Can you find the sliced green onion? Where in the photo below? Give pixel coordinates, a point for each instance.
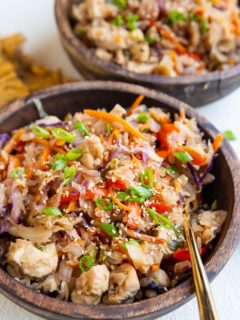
(132, 20)
(139, 200)
(81, 128)
(143, 117)
(160, 219)
(40, 132)
(171, 170)
(150, 39)
(121, 4)
(69, 174)
(74, 154)
(62, 134)
(108, 128)
(203, 26)
(17, 173)
(122, 196)
(52, 211)
(104, 204)
(229, 135)
(85, 263)
(147, 178)
(183, 156)
(59, 163)
(140, 191)
(175, 16)
(130, 242)
(109, 228)
(118, 21)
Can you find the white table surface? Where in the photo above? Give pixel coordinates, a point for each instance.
(35, 19)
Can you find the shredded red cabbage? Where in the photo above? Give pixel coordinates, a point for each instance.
(4, 137)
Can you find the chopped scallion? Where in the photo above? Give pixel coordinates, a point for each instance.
(86, 263)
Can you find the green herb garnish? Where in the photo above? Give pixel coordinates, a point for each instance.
(59, 163)
(160, 219)
(52, 211)
(110, 229)
(150, 39)
(140, 191)
(81, 128)
(118, 21)
(147, 178)
(175, 16)
(104, 204)
(132, 20)
(121, 4)
(86, 263)
(183, 156)
(171, 170)
(62, 134)
(108, 128)
(74, 154)
(17, 173)
(229, 135)
(143, 117)
(69, 174)
(40, 132)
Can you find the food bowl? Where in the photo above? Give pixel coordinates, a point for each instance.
(72, 98)
(196, 90)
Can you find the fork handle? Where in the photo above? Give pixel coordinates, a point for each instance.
(206, 304)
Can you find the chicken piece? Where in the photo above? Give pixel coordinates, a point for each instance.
(143, 257)
(141, 52)
(156, 280)
(165, 67)
(31, 260)
(91, 285)
(100, 9)
(212, 218)
(92, 152)
(148, 9)
(123, 285)
(108, 38)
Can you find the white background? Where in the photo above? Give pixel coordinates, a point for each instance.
(35, 19)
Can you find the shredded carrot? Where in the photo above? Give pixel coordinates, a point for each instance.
(42, 141)
(58, 150)
(164, 153)
(72, 205)
(122, 206)
(47, 144)
(135, 104)
(155, 267)
(138, 164)
(13, 163)
(37, 197)
(112, 118)
(217, 142)
(114, 134)
(144, 237)
(173, 56)
(177, 45)
(177, 186)
(72, 264)
(59, 143)
(44, 158)
(199, 159)
(29, 172)
(101, 137)
(12, 143)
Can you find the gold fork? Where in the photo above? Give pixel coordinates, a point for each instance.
(206, 304)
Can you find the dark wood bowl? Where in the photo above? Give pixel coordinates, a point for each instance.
(72, 98)
(194, 90)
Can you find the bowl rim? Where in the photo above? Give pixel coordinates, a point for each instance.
(79, 47)
(47, 306)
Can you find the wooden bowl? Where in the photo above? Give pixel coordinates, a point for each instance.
(72, 98)
(196, 90)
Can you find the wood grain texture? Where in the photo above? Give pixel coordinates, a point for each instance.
(196, 90)
(74, 97)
